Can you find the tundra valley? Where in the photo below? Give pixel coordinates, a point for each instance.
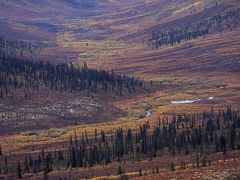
(120, 89)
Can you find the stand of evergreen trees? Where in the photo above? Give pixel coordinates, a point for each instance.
(29, 76)
(199, 135)
(20, 48)
(219, 23)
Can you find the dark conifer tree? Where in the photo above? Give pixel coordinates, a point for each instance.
(172, 167)
(232, 136)
(120, 170)
(19, 171)
(1, 153)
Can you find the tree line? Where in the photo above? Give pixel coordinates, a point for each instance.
(20, 48)
(28, 76)
(199, 135)
(218, 23)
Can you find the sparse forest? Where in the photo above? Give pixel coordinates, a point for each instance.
(20, 48)
(216, 24)
(199, 135)
(29, 76)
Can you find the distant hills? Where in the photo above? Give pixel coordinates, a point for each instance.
(41, 20)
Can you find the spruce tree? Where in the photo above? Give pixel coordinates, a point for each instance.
(19, 171)
(140, 172)
(172, 167)
(1, 153)
(120, 170)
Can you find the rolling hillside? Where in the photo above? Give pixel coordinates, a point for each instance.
(103, 19)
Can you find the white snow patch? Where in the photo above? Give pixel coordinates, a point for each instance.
(185, 101)
(148, 113)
